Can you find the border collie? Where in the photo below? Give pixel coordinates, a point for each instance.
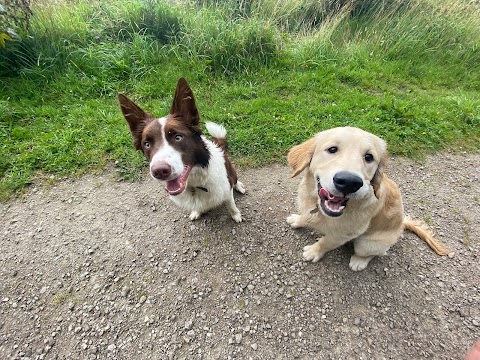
(197, 172)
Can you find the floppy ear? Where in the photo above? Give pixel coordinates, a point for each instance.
(184, 104)
(137, 118)
(378, 177)
(299, 156)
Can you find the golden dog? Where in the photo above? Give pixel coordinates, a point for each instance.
(345, 195)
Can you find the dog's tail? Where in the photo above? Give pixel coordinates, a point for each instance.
(423, 232)
(219, 134)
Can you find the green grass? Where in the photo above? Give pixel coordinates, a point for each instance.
(274, 72)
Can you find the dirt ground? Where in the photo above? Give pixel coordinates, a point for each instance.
(94, 268)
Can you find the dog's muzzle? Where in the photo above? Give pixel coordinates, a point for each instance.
(346, 182)
(333, 205)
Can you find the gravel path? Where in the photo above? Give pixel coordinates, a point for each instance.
(99, 269)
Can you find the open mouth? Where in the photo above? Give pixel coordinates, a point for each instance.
(330, 204)
(178, 185)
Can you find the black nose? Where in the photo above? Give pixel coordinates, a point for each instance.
(347, 182)
(161, 171)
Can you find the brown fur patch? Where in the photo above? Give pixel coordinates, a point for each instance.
(192, 147)
(152, 133)
(378, 177)
(137, 119)
(391, 215)
(299, 156)
(221, 143)
(231, 173)
(184, 105)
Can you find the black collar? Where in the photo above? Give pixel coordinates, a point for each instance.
(194, 189)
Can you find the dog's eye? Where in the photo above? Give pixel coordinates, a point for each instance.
(178, 137)
(332, 149)
(369, 158)
(146, 145)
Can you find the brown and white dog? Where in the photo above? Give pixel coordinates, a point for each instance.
(198, 174)
(345, 196)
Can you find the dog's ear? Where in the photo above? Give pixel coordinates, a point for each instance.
(378, 177)
(137, 118)
(299, 156)
(184, 104)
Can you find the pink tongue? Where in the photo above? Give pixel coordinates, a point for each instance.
(174, 185)
(178, 185)
(324, 193)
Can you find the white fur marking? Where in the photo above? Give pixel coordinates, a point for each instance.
(216, 130)
(167, 154)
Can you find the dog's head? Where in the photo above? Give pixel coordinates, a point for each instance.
(346, 164)
(172, 144)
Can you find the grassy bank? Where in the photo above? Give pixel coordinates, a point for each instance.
(274, 72)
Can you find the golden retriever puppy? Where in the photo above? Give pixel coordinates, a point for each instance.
(345, 195)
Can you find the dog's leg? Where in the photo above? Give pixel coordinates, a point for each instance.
(359, 263)
(240, 187)
(194, 215)
(232, 208)
(317, 250)
(297, 221)
(366, 250)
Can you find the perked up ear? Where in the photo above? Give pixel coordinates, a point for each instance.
(299, 156)
(137, 118)
(184, 103)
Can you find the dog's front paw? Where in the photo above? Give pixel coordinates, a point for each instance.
(240, 188)
(359, 263)
(194, 215)
(237, 217)
(312, 253)
(294, 221)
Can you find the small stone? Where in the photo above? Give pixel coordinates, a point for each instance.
(188, 324)
(238, 338)
(254, 346)
(111, 347)
(142, 299)
(125, 291)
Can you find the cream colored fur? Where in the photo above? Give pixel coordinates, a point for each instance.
(373, 217)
